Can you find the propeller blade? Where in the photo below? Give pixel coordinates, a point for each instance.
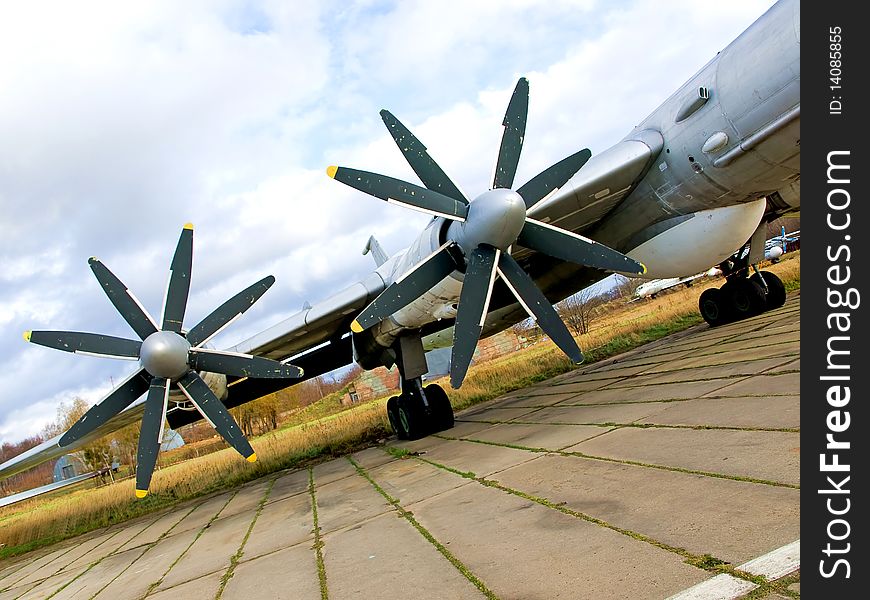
(551, 179)
(123, 300)
(86, 343)
(473, 304)
(401, 192)
(432, 176)
(536, 304)
(228, 312)
(512, 139)
(240, 365)
(565, 245)
(215, 413)
(151, 433)
(409, 287)
(178, 289)
(119, 399)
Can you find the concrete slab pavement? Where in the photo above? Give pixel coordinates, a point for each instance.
(690, 457)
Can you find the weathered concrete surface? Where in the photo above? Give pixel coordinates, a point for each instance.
(768, 455)
(521, 549)
(773, 412)
(282, 524)
(606, 482)
(731, 520)
(287, 574)
(386, 558)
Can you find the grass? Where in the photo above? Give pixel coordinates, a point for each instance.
(40, 522)
(318, 542)
(237, 557)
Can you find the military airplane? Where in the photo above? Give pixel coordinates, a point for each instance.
(651, 289)
(685, 189)
(774, 248)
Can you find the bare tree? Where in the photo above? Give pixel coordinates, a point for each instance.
(578, 310)
(627, 286)
(97, 454)
(527, 330)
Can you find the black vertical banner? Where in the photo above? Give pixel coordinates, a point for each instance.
(834, 358)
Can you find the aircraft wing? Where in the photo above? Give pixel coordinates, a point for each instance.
(315, 325)
(312, 338)
(49, 449)
(51, 487)
(317, 338)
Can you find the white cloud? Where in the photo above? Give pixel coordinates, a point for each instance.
(121, 122)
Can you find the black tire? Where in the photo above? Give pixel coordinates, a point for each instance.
(710, 305)
(393, 416)
(743, 298)
(775, 288)
(412, 418)
(439, 403)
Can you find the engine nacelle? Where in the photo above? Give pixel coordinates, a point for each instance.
(369, 354)
(713, 235)
(217, 382)
(438, 302)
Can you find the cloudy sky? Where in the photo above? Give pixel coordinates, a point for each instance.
(120, 122)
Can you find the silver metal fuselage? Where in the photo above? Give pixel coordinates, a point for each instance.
(680, 193)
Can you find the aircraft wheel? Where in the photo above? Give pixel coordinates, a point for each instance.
(743, 298)
(412, 419)
(393, 416)
(710, 305)
(442, 410)
(775, 288)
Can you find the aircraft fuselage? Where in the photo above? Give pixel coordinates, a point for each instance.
(680, 193)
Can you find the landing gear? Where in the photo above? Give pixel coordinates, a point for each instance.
(417, 414)
(393, 416)
(775, 296)
(442, 410)
(710, 305)
(418, 411)
(742, 297)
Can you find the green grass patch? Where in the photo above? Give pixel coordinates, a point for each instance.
(318, 543)
(237, 557)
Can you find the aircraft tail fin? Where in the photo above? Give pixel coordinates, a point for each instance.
(378, 253)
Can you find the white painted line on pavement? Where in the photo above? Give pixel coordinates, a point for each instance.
(776, 564)
(721, 587)
(773, 565)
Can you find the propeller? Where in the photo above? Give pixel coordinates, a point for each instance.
(168, 357)
(481, 235)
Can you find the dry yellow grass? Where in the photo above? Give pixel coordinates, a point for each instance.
(39, 521)
(90, 508)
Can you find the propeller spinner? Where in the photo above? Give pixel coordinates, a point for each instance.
(168, 358)
(483, 229)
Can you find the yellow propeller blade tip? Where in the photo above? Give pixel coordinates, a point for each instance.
(141, 493)
(252, 458)
(188, 225)
(356, 327)
(331, 171)
(27, 336)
